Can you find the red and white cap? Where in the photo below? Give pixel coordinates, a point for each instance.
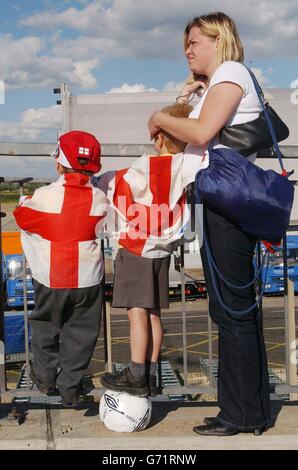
(78, 150)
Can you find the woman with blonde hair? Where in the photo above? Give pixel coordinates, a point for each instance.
(215, 54)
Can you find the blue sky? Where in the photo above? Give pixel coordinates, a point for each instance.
(121, 45)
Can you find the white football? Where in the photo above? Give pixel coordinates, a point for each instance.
(122, 412)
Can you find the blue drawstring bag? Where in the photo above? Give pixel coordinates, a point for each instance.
(259, 201)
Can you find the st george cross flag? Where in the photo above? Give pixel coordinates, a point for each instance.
(60, 225)
(148, 200)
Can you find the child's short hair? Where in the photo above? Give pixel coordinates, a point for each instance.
(179, 110)
(83, 172)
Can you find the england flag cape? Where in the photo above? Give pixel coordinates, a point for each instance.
(60, 225)
(149, 213)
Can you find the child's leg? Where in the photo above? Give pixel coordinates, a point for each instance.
(45, 336)
(139, 334)
(45, 351)
(139, 341)
(132, 379)
(156, 336)
(78, 338)
(153, 352)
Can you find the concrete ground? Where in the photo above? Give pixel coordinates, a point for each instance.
(37, 427)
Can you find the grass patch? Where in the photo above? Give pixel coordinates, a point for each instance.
(10, 197)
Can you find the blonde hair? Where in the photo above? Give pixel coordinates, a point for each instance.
(218, 24)
(179, 110)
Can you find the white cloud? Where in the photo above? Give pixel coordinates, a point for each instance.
(25, 63)
(81, 20)
(137, 88)
(74, 41)
(82, 47)
(261, 77)
(83, 72)
(17, 56)
(173, 86)
(141, 88)
(154, 29)
(264, 79)
(35, 124)
(42, 118)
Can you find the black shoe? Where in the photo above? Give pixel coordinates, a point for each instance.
(43, 387)
(124, 382)
(259, 431)
(70, 402)
(153, 388)
(216, 429)
(209, 419)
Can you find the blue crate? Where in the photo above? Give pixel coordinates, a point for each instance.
(14, 333)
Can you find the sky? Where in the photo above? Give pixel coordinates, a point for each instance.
(103, 46)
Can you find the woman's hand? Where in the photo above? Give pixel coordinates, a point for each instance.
(153, 124)
(191, 87)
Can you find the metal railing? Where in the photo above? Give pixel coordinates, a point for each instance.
(289, 387)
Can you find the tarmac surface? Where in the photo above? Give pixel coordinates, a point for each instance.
(54, 428)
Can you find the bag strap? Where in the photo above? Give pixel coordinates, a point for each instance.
(263, 103)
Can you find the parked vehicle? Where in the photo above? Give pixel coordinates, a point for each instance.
(14, 284)
(12, 259)
(275, 278)
(193, 290)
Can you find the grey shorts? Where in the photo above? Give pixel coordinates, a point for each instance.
(140, 282)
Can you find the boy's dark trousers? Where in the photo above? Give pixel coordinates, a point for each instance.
(243, 382)
(65, 325)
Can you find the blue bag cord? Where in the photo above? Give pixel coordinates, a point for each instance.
(265, 261)
(234, 286)
(232, 312)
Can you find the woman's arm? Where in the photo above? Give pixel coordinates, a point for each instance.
(221, 102)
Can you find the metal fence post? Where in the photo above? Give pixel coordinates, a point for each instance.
(106, 312)
(26, 327)
(286, 303)
(184, 327)
(108, 337)
(2, 345)
(290, 326)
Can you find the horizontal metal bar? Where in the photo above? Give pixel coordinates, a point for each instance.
(280, 389)
(284, 389)
(42, 149)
